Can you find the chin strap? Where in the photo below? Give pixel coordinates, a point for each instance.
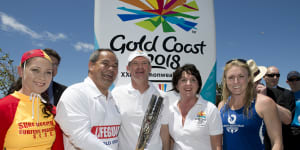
(34, 97)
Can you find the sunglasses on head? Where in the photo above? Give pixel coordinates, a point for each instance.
(273, 75)
(239, 60)
(294, 79)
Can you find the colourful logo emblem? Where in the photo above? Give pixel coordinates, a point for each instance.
(161, 12)
(201, 114)
(162, 87)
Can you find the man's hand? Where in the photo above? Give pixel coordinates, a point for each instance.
(262, 89)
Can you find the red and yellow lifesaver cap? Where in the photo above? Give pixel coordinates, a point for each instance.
(34, 53)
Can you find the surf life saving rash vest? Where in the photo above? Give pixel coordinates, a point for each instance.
(24, 125)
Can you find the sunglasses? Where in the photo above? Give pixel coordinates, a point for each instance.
(294, 79)
(239, 60)
(273, 75)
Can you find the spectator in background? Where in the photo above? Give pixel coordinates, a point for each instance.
(55, 89)
(244, 113)
(293, 80)
(133, 99)
(285, 104)
(258, 73)
(27, 119)
(87, 112)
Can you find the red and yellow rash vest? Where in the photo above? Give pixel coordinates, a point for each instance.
(23, 125)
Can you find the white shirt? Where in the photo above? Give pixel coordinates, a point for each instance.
(89, 119)
(133, 105)
(202, 121)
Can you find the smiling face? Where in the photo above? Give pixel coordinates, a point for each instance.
(36, 76)
(272, 76)
(104, 71)
(139, 69)
(187, 85)
(237, 80)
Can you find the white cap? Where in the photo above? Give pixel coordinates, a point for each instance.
(137, 53)
(257, 71)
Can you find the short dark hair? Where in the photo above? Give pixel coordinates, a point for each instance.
(52, 53)
(190, 69)
(95, 55)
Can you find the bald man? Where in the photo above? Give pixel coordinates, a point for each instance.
(285, 104)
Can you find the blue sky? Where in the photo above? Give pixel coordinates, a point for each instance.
(264, 30)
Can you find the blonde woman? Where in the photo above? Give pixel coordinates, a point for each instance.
(244, 115)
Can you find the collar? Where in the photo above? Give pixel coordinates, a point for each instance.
(34, 98)
(132, 90)
(51, 84)
(94, 91)
(21, 96)
(198, 102)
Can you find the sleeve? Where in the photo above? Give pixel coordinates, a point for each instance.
(8, 107)
(73, 118)
(58, 143)
(214, 120)
(287, 100)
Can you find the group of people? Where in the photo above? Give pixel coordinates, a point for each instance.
(284, 99)
(42, 114)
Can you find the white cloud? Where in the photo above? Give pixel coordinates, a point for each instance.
(41, 45)
(85, 47)
(54, 37)
(9, 23)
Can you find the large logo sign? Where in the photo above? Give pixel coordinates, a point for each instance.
(160, 13)
(172, 32)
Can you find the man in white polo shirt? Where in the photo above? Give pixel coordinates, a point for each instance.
(86, 111)
(133, 99)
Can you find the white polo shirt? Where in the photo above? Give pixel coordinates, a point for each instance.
(133, 105)
(89, 119)
(201, 121)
